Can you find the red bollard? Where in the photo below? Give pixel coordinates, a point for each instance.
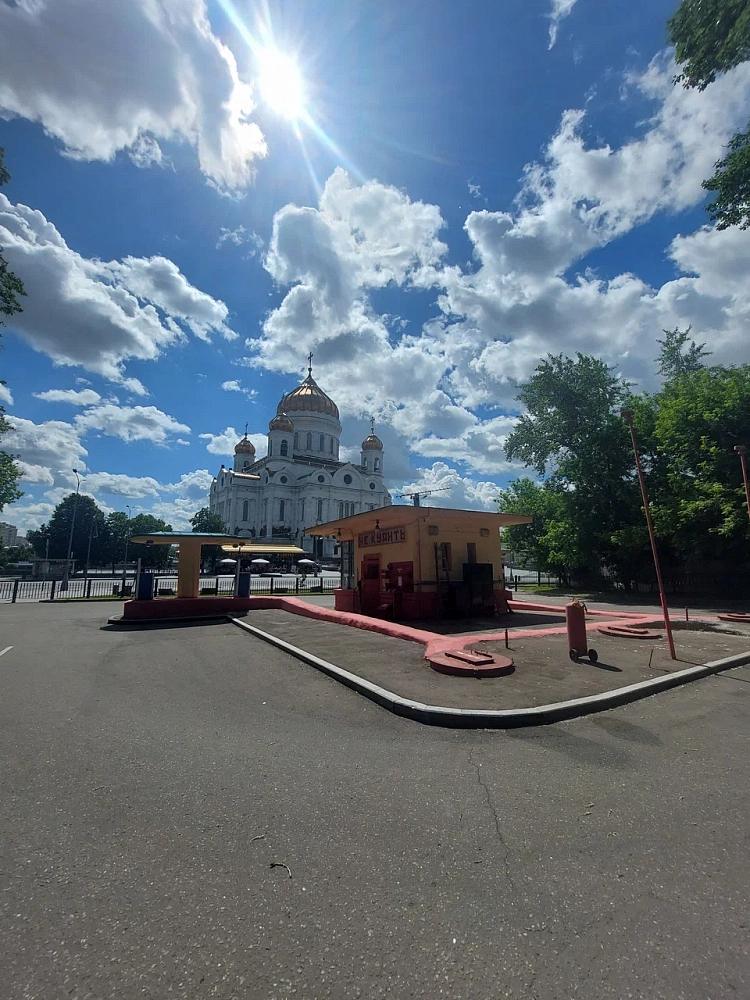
(575, 621)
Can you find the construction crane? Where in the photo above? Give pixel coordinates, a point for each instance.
(417, 497)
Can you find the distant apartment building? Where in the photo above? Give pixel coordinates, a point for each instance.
(8, 534)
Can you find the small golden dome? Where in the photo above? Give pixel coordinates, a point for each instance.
(244, 447)
(281, 422)
(372, 443)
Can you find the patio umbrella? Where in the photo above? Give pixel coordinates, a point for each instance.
(227, 562)
(257, 562)
(305, 562)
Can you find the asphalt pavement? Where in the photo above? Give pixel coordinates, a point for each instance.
(188, 812)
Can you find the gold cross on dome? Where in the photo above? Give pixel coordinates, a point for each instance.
(309, 363)
(245, 428)
(372, 425)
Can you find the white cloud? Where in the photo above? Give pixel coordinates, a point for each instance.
(110, 483)
(193, 486)
(78, 397)
(223, 443)
(98, 314)
(104, 77)
(176, 512)
(53, 445)
(454, 490)
(560, 10)
(233, 385)
(36, 474)
(5, 395)
(131, 423)
(26, 516)
(146, 152)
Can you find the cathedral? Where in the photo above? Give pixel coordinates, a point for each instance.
(300, 482)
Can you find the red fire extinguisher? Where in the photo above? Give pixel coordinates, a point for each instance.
(575, 620)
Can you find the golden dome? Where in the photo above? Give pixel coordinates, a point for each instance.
(281, 422)
(308, 397)
(244, 447)
(372, 443)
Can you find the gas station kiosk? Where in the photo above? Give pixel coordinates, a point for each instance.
(411, 563)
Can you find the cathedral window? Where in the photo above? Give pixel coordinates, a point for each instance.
(302, 510)
(341, 508)
(330, 445)
(296, 440)
(322, 443)
(320, 510)
(377, 465)
(364, 463)
(309, 441)
(270, 448)
(281, 510)
(246, 510)
(284, 448)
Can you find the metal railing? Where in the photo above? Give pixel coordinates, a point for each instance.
(12, 591)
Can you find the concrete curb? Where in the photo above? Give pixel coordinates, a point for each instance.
(476, 718)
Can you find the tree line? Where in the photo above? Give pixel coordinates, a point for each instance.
(589, 524)
(102, 537)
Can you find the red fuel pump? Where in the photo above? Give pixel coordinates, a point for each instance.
(575, 620)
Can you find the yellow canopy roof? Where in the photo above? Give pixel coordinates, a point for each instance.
(258, 548)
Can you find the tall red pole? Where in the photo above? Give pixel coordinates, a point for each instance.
(742, 451)
(627, 416)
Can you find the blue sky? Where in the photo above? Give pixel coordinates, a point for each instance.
(460, 189)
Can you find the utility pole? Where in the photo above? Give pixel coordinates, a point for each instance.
(627, 416)
(742, 451)
(66, 571)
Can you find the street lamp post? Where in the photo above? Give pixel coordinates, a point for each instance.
(127, 542)
(742, 451)
(92, 533)
(627, 416)
(66, 571)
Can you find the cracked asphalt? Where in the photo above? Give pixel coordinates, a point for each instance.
(159, 788)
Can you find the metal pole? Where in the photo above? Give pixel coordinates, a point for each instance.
(88, 549)
(66, 571)
(627, 416)
(742, 451)
(127, 542)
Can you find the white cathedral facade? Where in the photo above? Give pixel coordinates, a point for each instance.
(301, 480)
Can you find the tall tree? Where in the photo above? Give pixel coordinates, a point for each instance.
(573, 430)
(204, 522)
(89, 519)
(711, 37)
(546, 542)
(11, 287)
(675, 358)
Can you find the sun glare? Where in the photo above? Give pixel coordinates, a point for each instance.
(281, 84)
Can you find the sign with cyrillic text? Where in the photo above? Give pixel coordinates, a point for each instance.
(386, 536)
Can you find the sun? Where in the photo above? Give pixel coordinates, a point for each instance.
(281, 84)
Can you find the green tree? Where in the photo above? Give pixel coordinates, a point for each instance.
(151, 556)
(88, 519)
(711, 37)
(9, 471)
(731, 182)
(543, 542)
(204, 522)
(573, 431)
(675, 358)
(700, 502)
(11, 285)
